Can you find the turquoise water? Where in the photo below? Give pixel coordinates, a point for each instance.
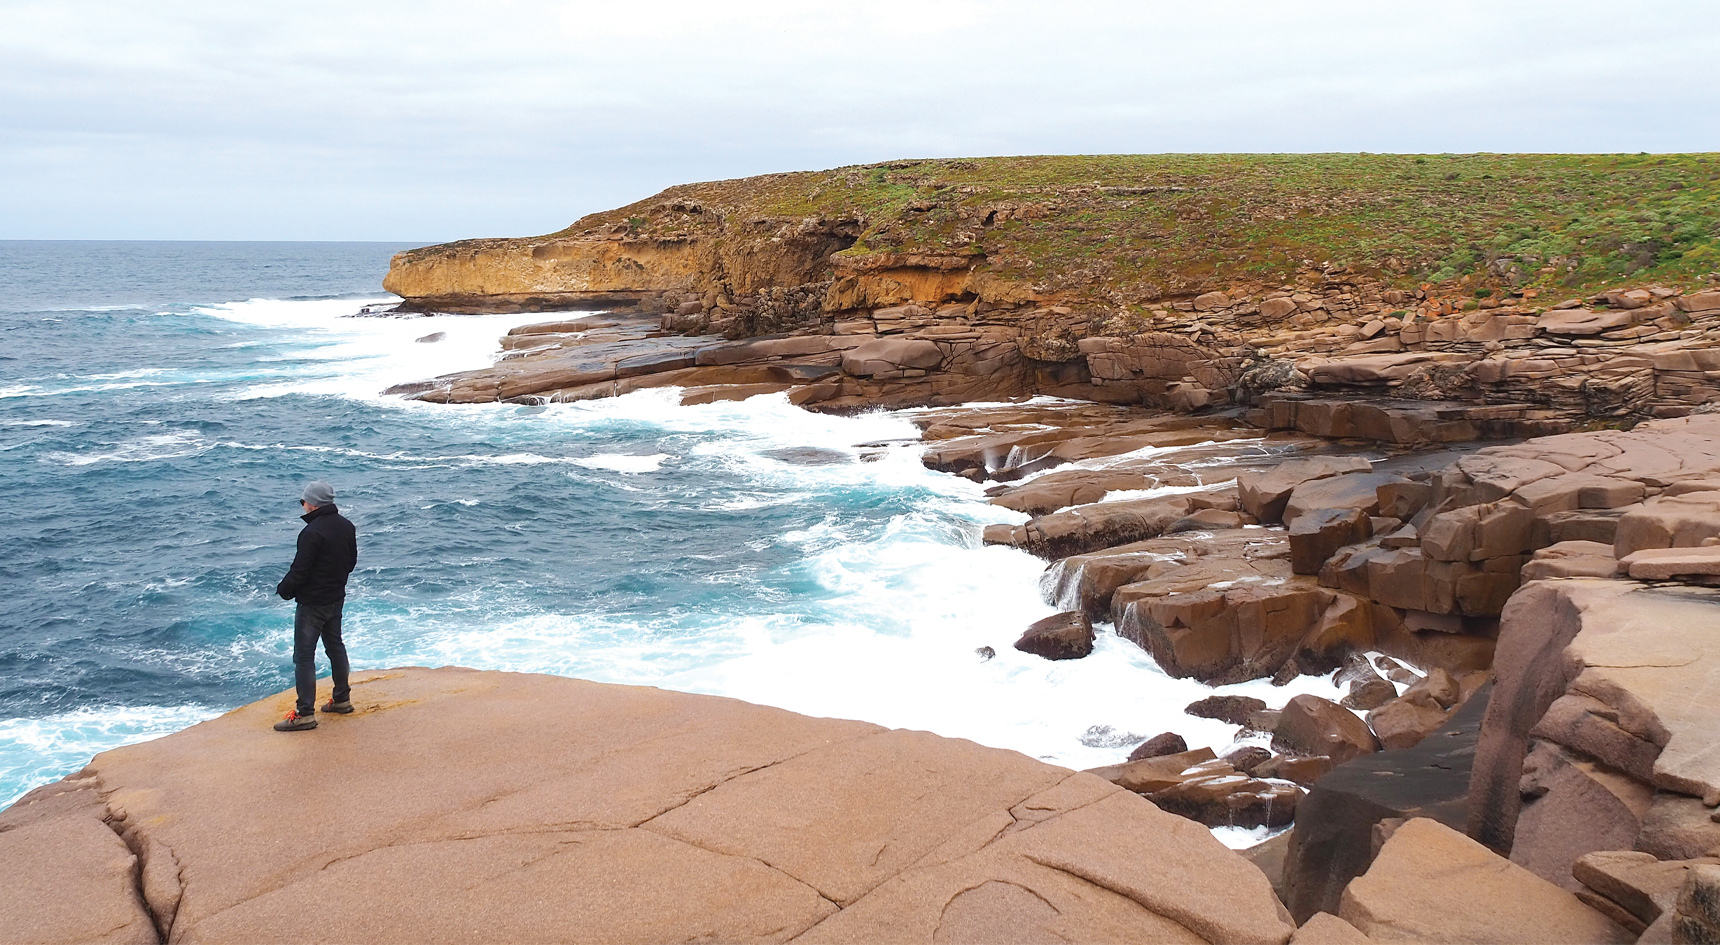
(162, 403)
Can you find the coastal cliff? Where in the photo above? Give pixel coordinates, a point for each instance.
(1544, 290)
(1280, 376)
(1109, 234)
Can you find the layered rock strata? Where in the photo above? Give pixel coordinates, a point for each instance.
(466, 806)
(1601, 733)
(1338, 358)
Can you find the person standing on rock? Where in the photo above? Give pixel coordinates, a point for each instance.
(328, 551)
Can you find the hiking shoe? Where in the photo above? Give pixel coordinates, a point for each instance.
(340, 708)
(294, 722)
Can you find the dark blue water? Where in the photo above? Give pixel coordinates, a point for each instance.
(162, 404)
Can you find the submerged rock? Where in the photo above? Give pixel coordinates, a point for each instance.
(1169, 743)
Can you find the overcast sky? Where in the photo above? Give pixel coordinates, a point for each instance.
(435, 120)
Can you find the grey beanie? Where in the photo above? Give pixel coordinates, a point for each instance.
(318, 493)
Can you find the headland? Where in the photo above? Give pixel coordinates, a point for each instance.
(1437, 425)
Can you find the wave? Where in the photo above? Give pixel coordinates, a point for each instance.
(35, 751)
(144, 449)
(335, 354)
(624, 464)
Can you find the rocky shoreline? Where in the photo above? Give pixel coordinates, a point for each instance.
(1313, 495)
(1492, 517)
(1546, 776)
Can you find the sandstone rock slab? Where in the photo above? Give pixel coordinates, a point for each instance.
(1645, 887)
(1663, 564)
(1314, 537)
(468, 806)
(1264, 494)
(69, 877)
(1433, 884)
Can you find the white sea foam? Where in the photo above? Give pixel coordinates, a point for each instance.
(623, 464)
(1124, 495)
(143, 449)
(359, 357)
(34, 751)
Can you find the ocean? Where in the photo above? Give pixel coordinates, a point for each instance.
(162, 404)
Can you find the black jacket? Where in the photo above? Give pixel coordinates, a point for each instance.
(328, 551)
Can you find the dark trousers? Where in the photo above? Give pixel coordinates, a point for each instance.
(311, 623)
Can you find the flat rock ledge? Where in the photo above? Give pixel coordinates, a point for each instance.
(466, 806)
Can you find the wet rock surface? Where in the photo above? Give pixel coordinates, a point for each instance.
(1333, 840)
(1065, 636)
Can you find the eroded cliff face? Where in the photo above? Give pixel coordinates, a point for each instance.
(674, 254)
(519, 275)
(1122, 233)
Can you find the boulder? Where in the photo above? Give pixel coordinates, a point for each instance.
(1324, 928)
(1616, 673)
(1230, 800)
(1582, 322)
(1537, 625)
(1311, 725)
(1334, 837)
(1403, 723)
(1154, 774)
(1409, 580)
(1677, 521)
(1246, 758)
(1678, 827)
(1264, 494)
(1089, 528)
(1437, 690)
(466, 811)
(1652, 657)
(1403, 499)
(1572, 807)
(1064, 636)
(1209, 520)
(891, 355)
(1639, 884)
(1433, 884)
(1302, 769)
(1697, 914)
(1315, 536)
(1248, 631)
(1700, 301)
(1185, 562)
(1623, 733)
(1232, 709)
(1211, 302)
(1169, 743)
(1358, 491)
(1369, 694)
(1065, 488)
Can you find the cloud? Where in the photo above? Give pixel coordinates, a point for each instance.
(435, 120)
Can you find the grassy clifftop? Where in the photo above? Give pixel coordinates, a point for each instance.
(1141, 227)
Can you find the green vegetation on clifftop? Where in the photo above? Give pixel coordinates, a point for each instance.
(1141, 227)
